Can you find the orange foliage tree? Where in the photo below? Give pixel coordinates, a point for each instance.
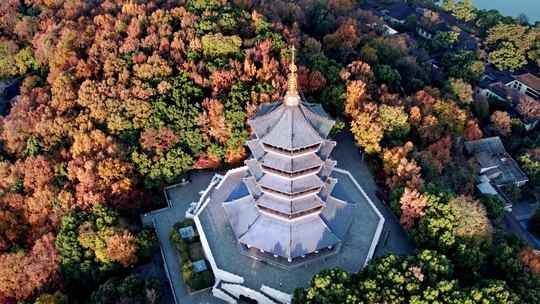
(412, 205)
(502, 122)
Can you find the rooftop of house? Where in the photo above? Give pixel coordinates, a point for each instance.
(496, 87)
(529, 80)
(495, 162)
(494, 75)
(400, 11)
(435, 28)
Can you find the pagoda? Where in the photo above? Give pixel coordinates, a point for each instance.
(269, 226)
(288, 210)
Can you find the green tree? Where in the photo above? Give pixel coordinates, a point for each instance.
(55, 298)
(507, 265)
(463, 10)
(162, 167)
(494, 206)
(131, 289)
(510, 44)
(507, 57)
(487, 19)
(450, 116)
(8, 68)
(328, 286)
(395, 121)
(218, 45)
(531, 167)
(464, 65)
(436, 229)
(443, 41)
(179, 111)
(388, 75)
(494, 292)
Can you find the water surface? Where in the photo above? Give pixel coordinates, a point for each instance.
(513, 8)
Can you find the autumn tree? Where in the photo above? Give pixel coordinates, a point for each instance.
(121, 248)
(342, 43)
(412, 207)
(356, 91)
(461, 90)
(394, 120)
(501, 122)
(367, 131)
(401, 170)
(531, 259)
(438, 153)
(23, 273)
(472, 222)
(472, 131)
(529, 109)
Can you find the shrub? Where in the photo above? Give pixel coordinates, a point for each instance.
(147, 244)
(195, 281)
(494, 207)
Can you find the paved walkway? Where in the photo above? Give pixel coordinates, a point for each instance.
(394, 239)
(163, 220)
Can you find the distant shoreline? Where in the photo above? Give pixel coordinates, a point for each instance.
(513, 8)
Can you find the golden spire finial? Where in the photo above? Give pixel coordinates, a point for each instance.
(292, 83)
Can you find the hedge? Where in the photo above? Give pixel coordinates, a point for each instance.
(195, 281)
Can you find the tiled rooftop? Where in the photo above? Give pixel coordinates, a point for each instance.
(490, 153)
(529, 80)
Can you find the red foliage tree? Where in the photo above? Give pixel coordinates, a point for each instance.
(531, 259)
(21, 274)
(37, 171)
(344, 40)
(438, 153)
(159, 140)
(212, 120)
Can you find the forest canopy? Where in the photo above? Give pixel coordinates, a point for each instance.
(120, 98)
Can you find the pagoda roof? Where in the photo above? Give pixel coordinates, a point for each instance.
(291, 186)
(337, 215)
(291, 164)
(242, 213)
(289, 239)
(290, 206)
(283, 237)
(291, 127)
